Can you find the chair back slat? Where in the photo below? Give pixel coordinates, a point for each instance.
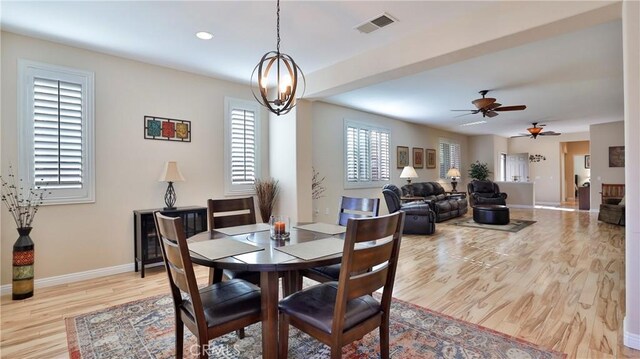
(368, 282)
(177, 260)
(610, 190)
(353, 207)
(222, 213)
(368, 257)
(353, 281)
(175, 265)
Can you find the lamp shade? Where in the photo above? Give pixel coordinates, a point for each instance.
(408, 172)
(171, 173)
(453, 172)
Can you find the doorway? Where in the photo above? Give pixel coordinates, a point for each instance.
(577, 170)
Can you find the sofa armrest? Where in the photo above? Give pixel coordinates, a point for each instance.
(502, 195)
(416, 208)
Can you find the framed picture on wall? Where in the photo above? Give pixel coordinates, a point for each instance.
(403, 156)
(418, 157)
(587, 161)
(431, 158)
(616, 156)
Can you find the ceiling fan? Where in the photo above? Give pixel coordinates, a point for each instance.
(489, 107)
(536, 131)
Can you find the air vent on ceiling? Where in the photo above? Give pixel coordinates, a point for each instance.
(376, 23)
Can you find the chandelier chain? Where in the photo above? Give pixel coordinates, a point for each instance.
(278, 27)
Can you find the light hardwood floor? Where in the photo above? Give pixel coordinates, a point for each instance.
(558, 283)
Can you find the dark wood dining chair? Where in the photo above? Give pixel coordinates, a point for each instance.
(350, 207)
(338, 313)
(209, 312)
(222, 213)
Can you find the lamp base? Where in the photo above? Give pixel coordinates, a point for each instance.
(454, 184)
(170, 197)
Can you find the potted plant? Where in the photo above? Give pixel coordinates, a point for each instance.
(479, 171)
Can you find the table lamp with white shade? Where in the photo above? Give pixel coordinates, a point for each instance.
(408, 172)
(454, 174)
(170, 174)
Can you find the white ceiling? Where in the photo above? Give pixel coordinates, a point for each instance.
(568, 82)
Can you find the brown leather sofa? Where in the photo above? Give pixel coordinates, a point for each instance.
(445, 206)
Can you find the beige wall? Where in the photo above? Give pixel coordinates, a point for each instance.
(487, 148)
(328, 158)
(547, 175)
(604, 136)
(76, 238)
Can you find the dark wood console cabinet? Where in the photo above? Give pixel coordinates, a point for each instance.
(584, 202)
(146, 246)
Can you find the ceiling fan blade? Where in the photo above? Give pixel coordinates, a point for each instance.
(491, 114)
(521, 135)
(492, 106)
(476, 111)
(464, 114)
(549, 133)
(511, 108)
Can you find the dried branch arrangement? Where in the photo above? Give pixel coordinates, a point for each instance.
(317, 189)
(266, 191)
(23, 210)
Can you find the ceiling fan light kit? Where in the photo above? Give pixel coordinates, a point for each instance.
(536, 131)
(489, 107)
(278, 78)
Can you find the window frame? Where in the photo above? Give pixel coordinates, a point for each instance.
(363, 184)
(27, 71)
(231, 189)
(449, 142)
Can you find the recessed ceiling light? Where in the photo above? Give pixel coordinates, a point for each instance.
(203, 35)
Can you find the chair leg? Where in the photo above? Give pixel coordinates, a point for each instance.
(179, 338)
(240, 333)
(283, 336)
(204, 345)
(336, 352)
(384, 338)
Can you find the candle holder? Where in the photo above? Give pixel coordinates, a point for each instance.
(279, 227)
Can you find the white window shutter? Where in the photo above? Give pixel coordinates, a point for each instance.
(57, 129)
(243, 146)
(366, 154)
(449, 156)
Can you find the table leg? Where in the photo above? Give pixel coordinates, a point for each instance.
(269, 290)
(292, 282)
(215, 275)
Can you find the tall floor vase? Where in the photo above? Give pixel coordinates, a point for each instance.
(23, 258)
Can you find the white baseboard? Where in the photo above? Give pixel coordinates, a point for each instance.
(554, 204)
(520, 205)
(74, 277)
(631, 340)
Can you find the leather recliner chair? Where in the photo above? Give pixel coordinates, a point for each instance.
(419, 219)
(485, 192)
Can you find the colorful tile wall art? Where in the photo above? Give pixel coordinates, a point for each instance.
(167, 129)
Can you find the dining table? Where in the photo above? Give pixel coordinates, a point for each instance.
(308, 246)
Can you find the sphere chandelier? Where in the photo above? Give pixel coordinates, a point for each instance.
(279, 70)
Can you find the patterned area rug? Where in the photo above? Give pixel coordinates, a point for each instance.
(145, 329)
(514, 226)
